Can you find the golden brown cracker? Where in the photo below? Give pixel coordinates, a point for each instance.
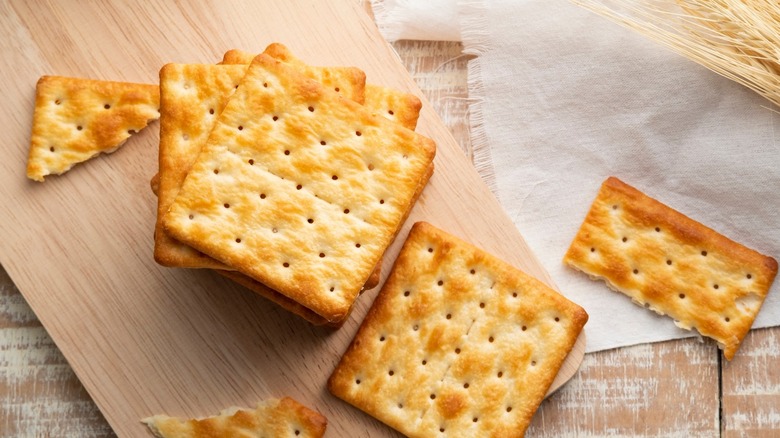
(348, 81)
(76, 119)
(672, 264)
(300, 188)
(457, 342)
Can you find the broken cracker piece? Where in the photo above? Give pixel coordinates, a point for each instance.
(672, 264)
(272, 418)
(300, 188)
(457, 342)
(76, 119)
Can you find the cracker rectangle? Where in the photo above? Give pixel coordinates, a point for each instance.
(672, 264)
(456, 342)
(299, 188)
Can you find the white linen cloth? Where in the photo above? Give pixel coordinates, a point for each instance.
(564, 98)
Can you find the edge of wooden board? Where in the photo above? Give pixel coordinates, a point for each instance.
(82, 339)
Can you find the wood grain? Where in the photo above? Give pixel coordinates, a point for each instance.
(664, 389)
(751, 387)
(144, 339)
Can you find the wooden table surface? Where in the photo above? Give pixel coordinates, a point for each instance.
(677, 388)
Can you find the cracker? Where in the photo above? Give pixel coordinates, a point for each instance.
(76, 119)
(672, 264)
(457, 342)
(300, 188)
(348, 81)
(192, 97)
(403, 108)
(273, 418)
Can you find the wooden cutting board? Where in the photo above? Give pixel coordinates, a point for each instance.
(146, 339)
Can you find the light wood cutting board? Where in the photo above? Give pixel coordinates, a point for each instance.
(146, 339)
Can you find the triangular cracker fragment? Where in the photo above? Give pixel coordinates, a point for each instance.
(457, 343)
(76, 119)
(300, 188)
(672, 264)
(271, 418)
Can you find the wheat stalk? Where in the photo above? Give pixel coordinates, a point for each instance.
(738, 39)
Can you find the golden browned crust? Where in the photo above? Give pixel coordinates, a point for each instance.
(268, 141)
(76, 119)
(457, 341)
(672, 264)
(273, 418)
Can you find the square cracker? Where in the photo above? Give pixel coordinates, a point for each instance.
(76, 119)
(457, 341)
(300, 188)
(192, 97)
(273, 417)
(402, 108)
(672, 264)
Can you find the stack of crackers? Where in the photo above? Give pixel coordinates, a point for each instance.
(277, 175)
